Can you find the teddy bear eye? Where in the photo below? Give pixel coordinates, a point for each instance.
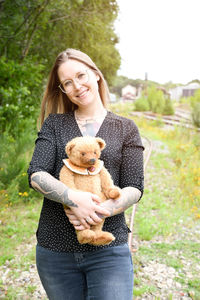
(83, 153)
(95, 152)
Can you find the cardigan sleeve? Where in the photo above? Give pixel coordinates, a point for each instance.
(132, 171)
(44, 155)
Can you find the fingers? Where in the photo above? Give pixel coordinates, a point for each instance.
(85, 223)
(96, 198)
(102, 211)
(80, 227)
(91, 221)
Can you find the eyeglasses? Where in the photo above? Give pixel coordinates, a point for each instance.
(67, 85)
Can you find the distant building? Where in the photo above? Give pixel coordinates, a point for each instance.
(190, 89)
(184, 91)
(176, 93)
(130, 92)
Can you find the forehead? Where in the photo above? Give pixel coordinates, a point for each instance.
(70, 68)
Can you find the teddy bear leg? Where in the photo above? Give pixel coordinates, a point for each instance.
(102, 238)
(85, 236)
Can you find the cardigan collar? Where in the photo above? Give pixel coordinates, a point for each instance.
(84, 171)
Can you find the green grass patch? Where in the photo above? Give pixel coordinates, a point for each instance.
(18, 225)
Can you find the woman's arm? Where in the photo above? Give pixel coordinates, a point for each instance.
(129, 196)
(82, 204)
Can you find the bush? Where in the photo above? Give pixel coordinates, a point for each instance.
(168, 108)
(156, 100)
(142, 104)
(195, 99)
(196, 114)
(14, 160)
(20, 94)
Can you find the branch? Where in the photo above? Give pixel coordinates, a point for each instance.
(25, 51)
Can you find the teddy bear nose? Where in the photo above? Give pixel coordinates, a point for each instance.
(92, 161)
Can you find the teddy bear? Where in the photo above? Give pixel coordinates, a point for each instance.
(84, 171)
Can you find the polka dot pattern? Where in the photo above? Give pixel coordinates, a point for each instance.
(123, 157)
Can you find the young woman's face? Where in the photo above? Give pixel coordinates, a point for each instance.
(79, 82)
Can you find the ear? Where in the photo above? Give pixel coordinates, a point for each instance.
(101, 143)
(69, 147)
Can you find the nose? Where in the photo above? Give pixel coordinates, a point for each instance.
(92, 161)
(77, 85)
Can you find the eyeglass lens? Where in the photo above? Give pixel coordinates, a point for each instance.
(81, 78)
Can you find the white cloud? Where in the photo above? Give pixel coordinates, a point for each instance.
(160, 37)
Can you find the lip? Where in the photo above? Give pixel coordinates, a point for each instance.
(83, 94)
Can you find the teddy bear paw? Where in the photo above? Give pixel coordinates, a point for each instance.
(114, 193)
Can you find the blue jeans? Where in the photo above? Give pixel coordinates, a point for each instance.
(105, 274)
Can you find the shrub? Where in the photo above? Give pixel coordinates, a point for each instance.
(20, 90)
(168, 108)
(142, 104)
(156, 100)
(195, 99)
(196, 114)
(14, 160)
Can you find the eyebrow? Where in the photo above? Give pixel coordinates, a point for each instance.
(75, 76)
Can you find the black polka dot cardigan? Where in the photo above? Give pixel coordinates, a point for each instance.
(123, 158)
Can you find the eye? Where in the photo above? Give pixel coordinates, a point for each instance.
(83, 153)
(81, 75)
(95, 152)
(67, 83)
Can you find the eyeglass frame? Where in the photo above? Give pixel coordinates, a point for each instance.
(73, 81)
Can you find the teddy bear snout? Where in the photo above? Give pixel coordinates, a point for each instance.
(92, 161)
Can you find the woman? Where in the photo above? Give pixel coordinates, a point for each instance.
(74, 104)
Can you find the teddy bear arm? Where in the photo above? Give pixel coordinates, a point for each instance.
(107, 185)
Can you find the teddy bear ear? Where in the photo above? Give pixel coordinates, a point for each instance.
(69, 147)
(101, 143)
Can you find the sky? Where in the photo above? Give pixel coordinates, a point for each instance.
(160, 38)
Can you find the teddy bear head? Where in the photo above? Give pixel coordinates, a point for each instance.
(85, 151)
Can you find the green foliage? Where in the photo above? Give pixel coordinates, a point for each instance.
(168, 108)
(142, 104)
(20, 90)
(14, 160)
(195, 99)
(195, 104)
(196, 114)
(43, 28)
(156, 100)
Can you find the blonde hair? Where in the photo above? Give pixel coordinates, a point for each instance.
(54, 100)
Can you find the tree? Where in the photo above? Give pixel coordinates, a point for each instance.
(43, 28)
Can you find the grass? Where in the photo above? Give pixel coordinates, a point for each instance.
(18, 225)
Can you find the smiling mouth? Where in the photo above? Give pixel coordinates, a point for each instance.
(82, 95)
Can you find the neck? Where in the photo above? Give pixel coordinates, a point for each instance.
(91, 112)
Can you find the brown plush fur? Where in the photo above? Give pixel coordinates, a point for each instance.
(83, 154)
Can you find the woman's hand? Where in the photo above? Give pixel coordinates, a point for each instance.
(86, 210)
(74, 220)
